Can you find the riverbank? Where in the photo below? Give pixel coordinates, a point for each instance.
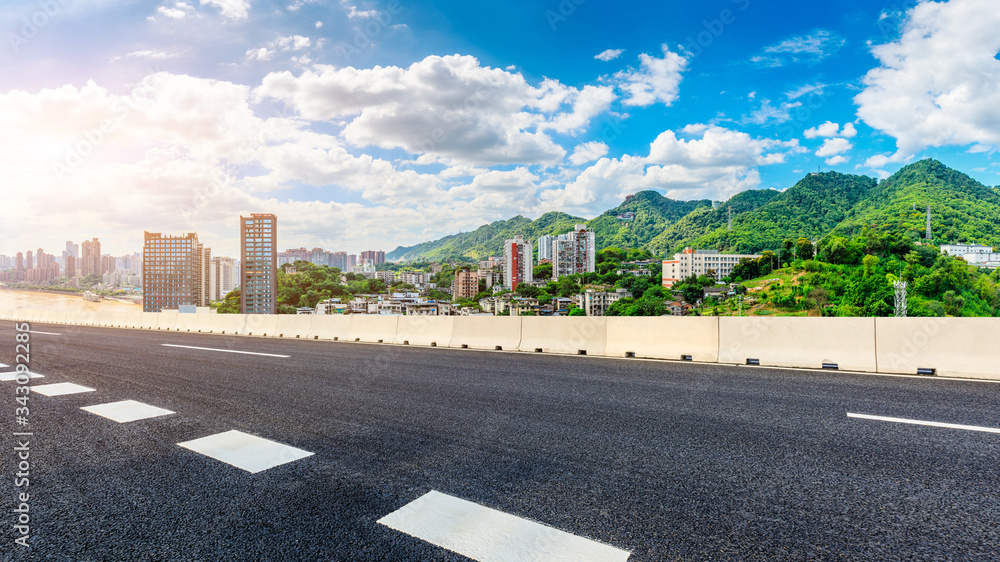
(14, 299)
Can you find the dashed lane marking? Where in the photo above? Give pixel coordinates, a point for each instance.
(242, 450)
(12, 376)
(61, 388)
(127, 411)
(922, 422)
(45, 333)
(489, 535)
(223, 350)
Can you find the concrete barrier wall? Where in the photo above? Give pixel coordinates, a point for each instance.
(223, 323)
(261, 324)
(425, 330)
(955, 347)
(578, 335)
(329, 327)
(799, 342)
(486, 332)
(292, 325)
(373, 328)
(664, 337)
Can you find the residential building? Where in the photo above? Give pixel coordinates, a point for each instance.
(365, 268)
(545, 247)
(175, 271)
(90, 257)
(71, 270)
(19, 259)
(259, 258)
(678, 308)
(574, 252)
(415, 278)
(700, 262)
(332, 306)
(492, 263)
(465, 284)
(107, 264)
(387, 277)
(517, 262)
(492, 277)
(222, 278)
(376, 256)
(29, 260)
(596, 303)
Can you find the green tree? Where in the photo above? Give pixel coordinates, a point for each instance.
(542, 271)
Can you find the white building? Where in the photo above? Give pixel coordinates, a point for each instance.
(387, 277)
(365, 268)
(545, 247)
(574, 252)
(517, 262)
(699, 262)
(596, 303)
(222, 277)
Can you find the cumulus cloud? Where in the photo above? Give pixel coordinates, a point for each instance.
(831, 129)
(768, 113)
(655, 81)
(834, 147)
(702, 161)
(281, 45)
(587, 152)
(937, 84)
(230, 9)
(449, 108)
(609, 55)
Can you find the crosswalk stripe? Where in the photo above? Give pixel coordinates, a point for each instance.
(242, 450)
(489, 535)
(127, 411)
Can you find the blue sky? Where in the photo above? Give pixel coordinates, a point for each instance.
(375, 124)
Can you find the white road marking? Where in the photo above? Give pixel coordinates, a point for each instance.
(242, 450)
(127, 411)
(4, 365)
(12, 376)
(223, 350)
(921, 422)
(46, 333)
(489, 535)
(60, 389)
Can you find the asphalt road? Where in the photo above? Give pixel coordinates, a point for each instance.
(671, 461)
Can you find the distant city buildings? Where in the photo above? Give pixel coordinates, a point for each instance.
(699, 262)
(465, 284)
(259, 258)
(597, 303)
(90, 257)
(975, 254)
(517, 262)
(175, 271)
(376, 256)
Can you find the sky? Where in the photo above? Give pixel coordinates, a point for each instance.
(374, 124)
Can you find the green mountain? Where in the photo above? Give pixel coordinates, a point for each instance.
(963, 210)
(487, 240)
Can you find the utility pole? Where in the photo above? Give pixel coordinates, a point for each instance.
(900, 287)
(927, 234)
(730, 218)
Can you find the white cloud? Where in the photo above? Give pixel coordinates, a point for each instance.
(834, 146)
(805, 90)
(281, 45)
(230, 9)
(937, 84)
(147, 54)
(171, 12)
(716, 163)
(319, 24)
(609, 55)
(444, 108)
(804, 48)
(588, 152)
(831, 129)
(837, 160)
(768, 113)
(656, 80)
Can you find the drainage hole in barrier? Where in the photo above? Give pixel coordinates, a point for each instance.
(753, 361)
(465, 346)
(406, 342)
(499, 348)
(686, 358)
(434, 344)
(629, 354)
(538, 350)
(357, 339)
(832, 366)
(581, 352)
(924, 371)
(380, 341)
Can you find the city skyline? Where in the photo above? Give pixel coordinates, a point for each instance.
(364, 124)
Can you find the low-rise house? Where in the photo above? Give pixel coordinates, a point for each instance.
(678, 308)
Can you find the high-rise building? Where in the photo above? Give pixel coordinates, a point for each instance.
(339, 260)
(545, 247)
(466, 284)
(70, 266)
(573, 252)
(517, 262)
(90, 258)
(222, 278)
(108, 263)
(29, 260)
(259, 283)
(352, 262)
(19, 261)
(175, 271)
(377, 256)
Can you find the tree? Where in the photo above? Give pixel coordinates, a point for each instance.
(577, 311)
(529, 291)
(542, 271)
(231, 304)
(804, 249)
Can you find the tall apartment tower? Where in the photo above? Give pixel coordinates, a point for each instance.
(90, 257)
(465, 284)
(70, 266)
(545, 247)
(174, 271)
(221, 278)
(574, 252)
(517, 262)
(19, 261)
(259, 258)
(377, 256)
(29, 260)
